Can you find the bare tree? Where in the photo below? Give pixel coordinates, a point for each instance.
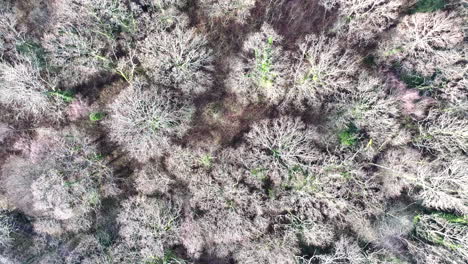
(323, 69)
(312, 231)
(360, 21)
(7, 227)
(152, 179)
(143, 119)
(179, 58)
(345, 251)
(23, 90)
(372, 110)
(159, 15)
(5, 130)
(443, 186)
(269, 249)
(62, 180)
(425, 43)
(149, 226)
(443, 231)
(443, 132)
(237, 10)
(88, 250)
(9, 35)
(85, 39)
(281, 146)
(261, 74)
(438, 184)
(329, 4)
(392, 229)
(233, 214)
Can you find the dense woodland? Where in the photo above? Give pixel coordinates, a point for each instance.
(233, 131)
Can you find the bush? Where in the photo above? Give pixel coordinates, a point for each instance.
(260, 75)
(349, 136)
(143, 119)
(191, 161)
(62, 180)
(164, 4)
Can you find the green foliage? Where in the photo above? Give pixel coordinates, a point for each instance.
(114, 20)
(104, 237)
(276, 154)
(346, 175)
(96, 116)
(426, 6)
(93, 198)
(453, 218)
(66, 96)
(369, 60)
(441, 229)
(415, 80)
(157, 124)
(96, 157)
(264, 62)
(206, 161)
(423, 83)
(260, 173)
(231, 204)
(272, 194)
(349, 136)
(168, 258)
(416, 219)
(70, 183)
(393, 51)
(298, 223)
(300, 179)
(215, 110)
(32, 50)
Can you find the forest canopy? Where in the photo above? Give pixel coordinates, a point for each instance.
(234, 131)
